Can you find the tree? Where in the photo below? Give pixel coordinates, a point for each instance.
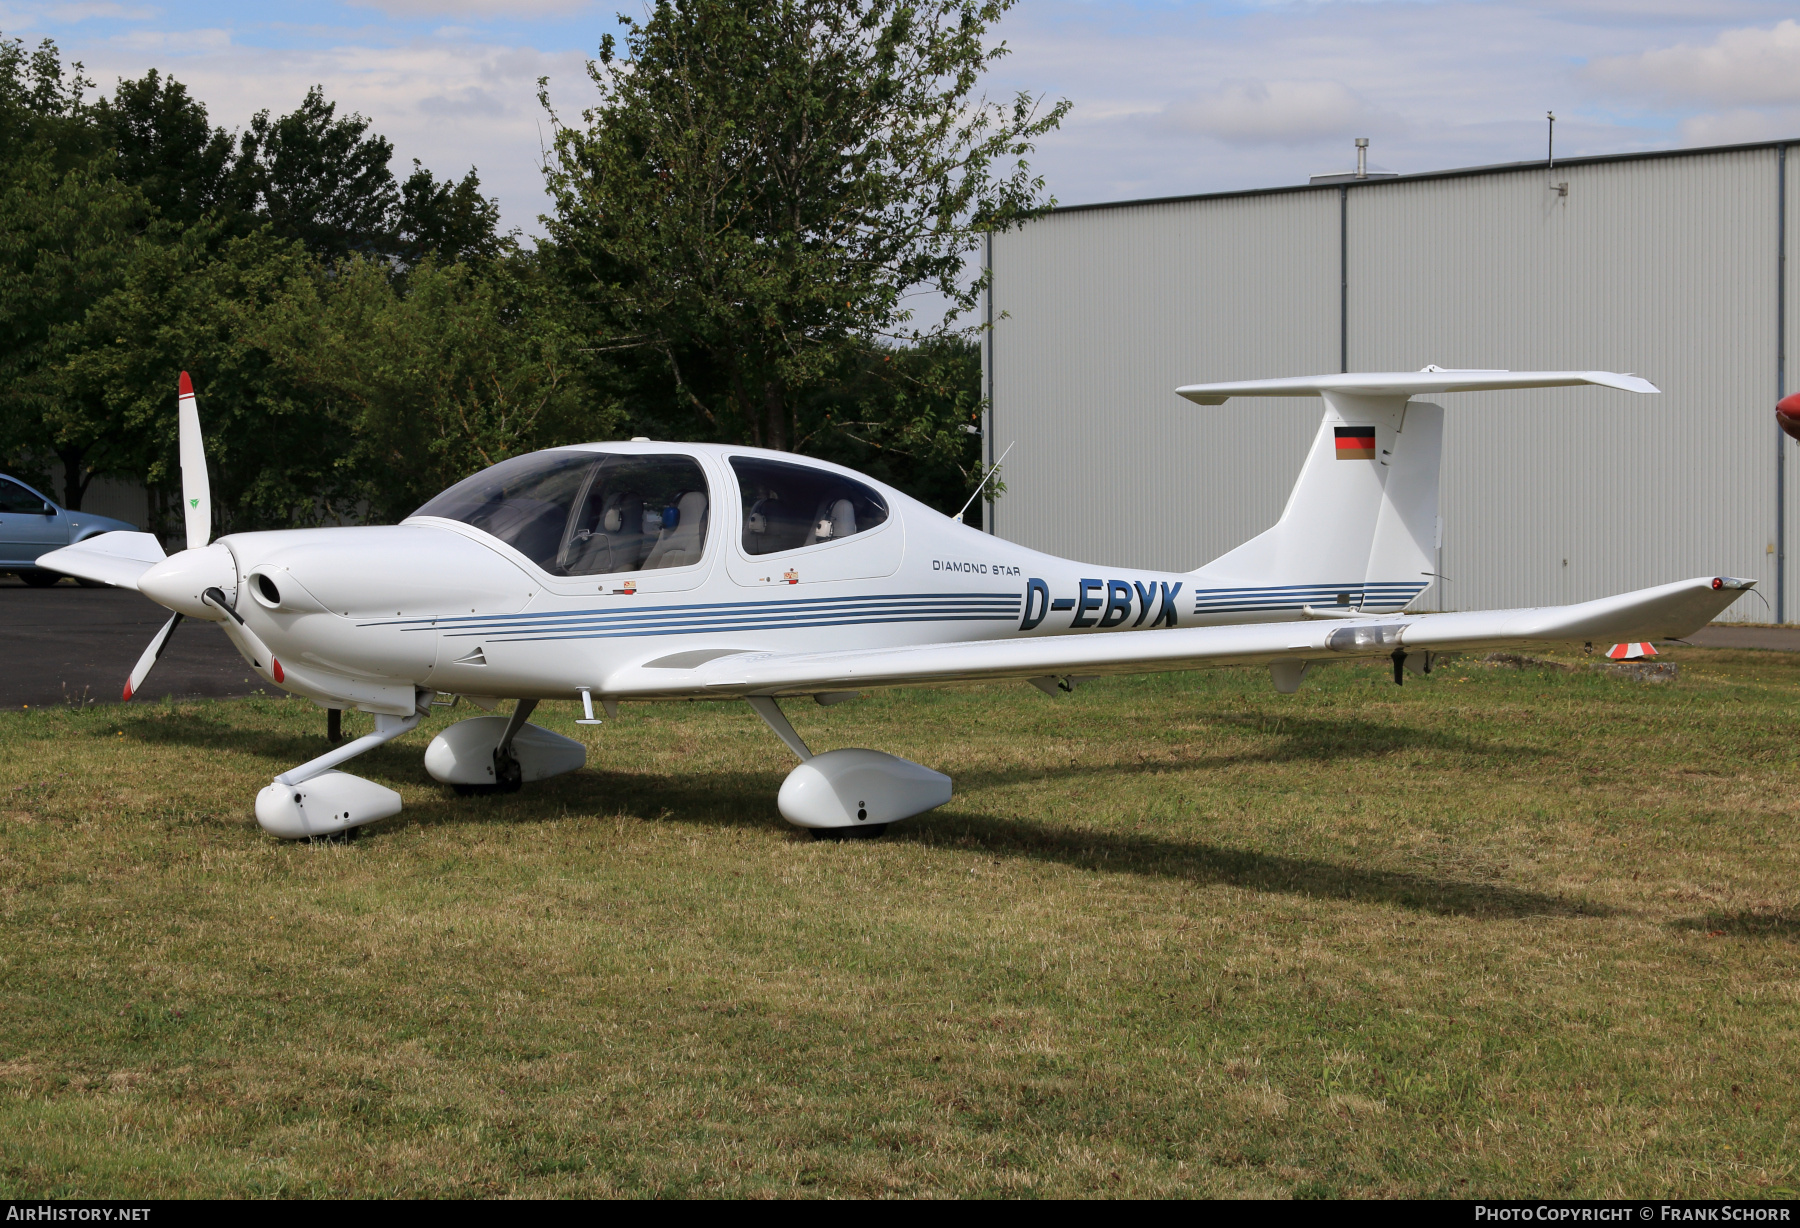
(908, 415)
(68, 240)
(357, 344)
(233, 312)
(760, 185)
(320, 179)
(43, 108)
(451, 219)
(167, 147)
(445, 371)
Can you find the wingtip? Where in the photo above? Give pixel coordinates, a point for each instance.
(187, 385)
(1200, 398)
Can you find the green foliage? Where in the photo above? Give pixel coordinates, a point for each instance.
(756, 190)
(68, 239)
(737, 224)
(320, 179)
(451, 220)
(465, 368)
(137, 241)
(234, 316)
(42, 105)
(908, 415)
(166, 147)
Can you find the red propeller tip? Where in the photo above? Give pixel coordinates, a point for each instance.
(277, 668)
(187, 385)
(127, 696)
(1787, 414)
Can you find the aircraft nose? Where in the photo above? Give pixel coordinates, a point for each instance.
(178, 581)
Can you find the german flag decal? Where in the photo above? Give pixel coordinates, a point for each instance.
(1355, 442)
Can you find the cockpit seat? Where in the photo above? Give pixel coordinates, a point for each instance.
(682, 544)
(614, 542)
(835, 518)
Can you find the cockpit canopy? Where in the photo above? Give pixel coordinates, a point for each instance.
(789, 506)
(587, 513)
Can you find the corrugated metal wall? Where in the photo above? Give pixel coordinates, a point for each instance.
(1105, 314)
(1789, 448)
(1663, 266)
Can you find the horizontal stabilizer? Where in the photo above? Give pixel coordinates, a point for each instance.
(1409, 384)
(117, 559)
(1668, 611)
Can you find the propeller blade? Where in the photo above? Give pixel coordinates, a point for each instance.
(196, 493)
(152, 654)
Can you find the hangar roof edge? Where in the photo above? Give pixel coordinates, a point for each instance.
(1463, 172)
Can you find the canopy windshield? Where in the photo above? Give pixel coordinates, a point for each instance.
(587, 513)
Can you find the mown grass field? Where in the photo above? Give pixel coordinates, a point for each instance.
(1496, 933)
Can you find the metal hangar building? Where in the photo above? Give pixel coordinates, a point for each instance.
(1669, 264)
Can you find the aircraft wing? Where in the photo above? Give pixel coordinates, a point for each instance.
(1409, 384)
(117, 558)
(1669, 611)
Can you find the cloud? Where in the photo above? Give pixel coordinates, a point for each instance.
(1741, 126)
(89, 12)
(470, 101)
(476, 8)
(177, 42)
(1743, 67)
(1250, 112)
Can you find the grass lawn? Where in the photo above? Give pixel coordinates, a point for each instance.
(1498, 932)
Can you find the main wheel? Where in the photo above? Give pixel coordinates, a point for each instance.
(483, 790)
(508, 778)
(39, 578)
(873, 831)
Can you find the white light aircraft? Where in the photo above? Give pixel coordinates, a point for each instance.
(653, 571)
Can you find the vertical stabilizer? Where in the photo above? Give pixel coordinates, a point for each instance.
(1359, 530)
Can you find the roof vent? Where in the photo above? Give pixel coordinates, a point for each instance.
(1363, 169)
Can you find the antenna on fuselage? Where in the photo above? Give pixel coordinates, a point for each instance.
(983, 482)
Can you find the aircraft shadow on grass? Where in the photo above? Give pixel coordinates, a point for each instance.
(1299, 740)
(189, 727)
(743, 800)
(1744, 924)
(1207, 864)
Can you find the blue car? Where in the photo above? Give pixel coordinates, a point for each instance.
(31, 525)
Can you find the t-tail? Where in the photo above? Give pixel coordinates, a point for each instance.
(1360, 532)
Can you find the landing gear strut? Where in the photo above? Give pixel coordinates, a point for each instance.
(509, 777)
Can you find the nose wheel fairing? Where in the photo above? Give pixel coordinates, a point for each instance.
(325, 804)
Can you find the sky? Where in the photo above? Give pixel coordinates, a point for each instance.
(1169, 97)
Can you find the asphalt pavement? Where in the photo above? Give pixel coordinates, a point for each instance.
(1728, 635)
(71, 645)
